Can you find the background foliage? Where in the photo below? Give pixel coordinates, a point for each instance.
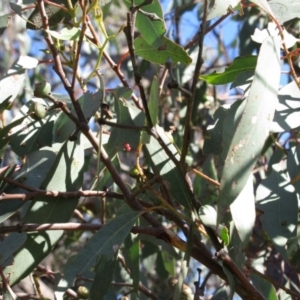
(149, 150)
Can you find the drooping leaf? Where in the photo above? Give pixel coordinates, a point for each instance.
(287, 113)
(153, 101)
(293, 252)
(204, 190)
(218, 8)
(131, 253)
(32, 174)
(277, 199)
(11, 83)
(6, 173)
(264, 5)
(243, 212)
(66, 174)
(285, 10)
(104, 273)
(105, 242)
(264, 286)
(260, 35)
(221, 293)
(11, 244)
(4, 22)
(31, 135)
(238, 66)
(293, 167)
(213, 143)
(168, 50)
(242, 146)
(235, 248)
(66, 34)
(151, 30)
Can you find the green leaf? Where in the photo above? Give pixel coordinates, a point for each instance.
(243, 143)
(105, 242)
(238, 66)
(218, 8)
(151, 30)
(243, 212)
(9, 246)
(264, 5)
(131, 253)
(31, 135)
(168, 50)
(165, 167)
(12, 81)
(293, 252)
(213, 143)
(221, 293)
(285, 10)
(66, 34)
(224, 235)
(6, 173)
(66, 174)
(264, 286)
(277, 199)
(287, 115)
(32, 173)
(104, 273)
(64, 126)
(55, 15)
(153, 101)
(293, 167)
(4, 22)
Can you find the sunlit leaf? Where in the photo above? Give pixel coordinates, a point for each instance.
(264, 5)
(11, 83)
(287, 114)
(238, 66)
(66, 34)
(4, 22)
(285, 10)
(243, 212)
(242, 146)
(277, 199)
(218, 8)
(168, 50)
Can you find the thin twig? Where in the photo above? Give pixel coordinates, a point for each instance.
(78, 44)
(228, 262)
(190, 101)
(56, 194)
(137, 76)
(58, 65)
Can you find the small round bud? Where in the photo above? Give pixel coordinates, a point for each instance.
(42, 89)
(134, 172)
(37, 111)
(83, 292)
